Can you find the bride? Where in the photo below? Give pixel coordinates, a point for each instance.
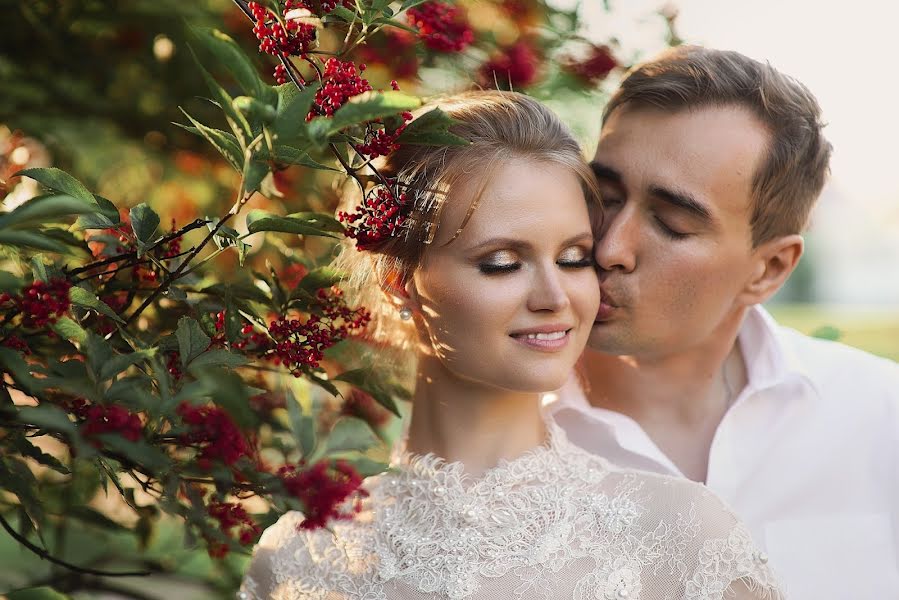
(487, 279)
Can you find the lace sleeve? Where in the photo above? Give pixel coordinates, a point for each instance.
(726, 563)
(260, 581)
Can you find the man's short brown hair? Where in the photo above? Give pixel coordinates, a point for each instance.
(789, 179)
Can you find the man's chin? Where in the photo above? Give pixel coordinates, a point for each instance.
(604, 338)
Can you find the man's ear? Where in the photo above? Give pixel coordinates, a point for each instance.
(774, 262)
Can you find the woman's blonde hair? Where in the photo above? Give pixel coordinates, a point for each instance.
(499, 126)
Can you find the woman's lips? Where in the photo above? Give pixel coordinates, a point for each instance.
(547, 341)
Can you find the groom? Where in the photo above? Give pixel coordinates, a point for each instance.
(709, 164)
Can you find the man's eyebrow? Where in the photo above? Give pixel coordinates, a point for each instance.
(683, 201)
(604, 172)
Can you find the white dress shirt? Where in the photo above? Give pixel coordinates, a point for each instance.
(807, 455)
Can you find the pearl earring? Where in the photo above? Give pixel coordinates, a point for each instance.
(405, 313)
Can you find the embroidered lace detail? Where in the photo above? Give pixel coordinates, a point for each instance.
(556, 523)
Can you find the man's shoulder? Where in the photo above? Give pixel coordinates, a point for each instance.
(833, 365)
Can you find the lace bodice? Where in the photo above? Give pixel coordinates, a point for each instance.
(554, 524)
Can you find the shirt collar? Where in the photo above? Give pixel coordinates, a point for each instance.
(769, 360)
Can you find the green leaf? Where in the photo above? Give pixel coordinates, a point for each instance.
(96, 221)
(120, 362)
(31, 239)
(86, 299)
(37, 593)
(13, 363)
(322, 277)
(407, 4)
(827, 332)
(231, 393)
(139, 452)
(88, 515)
(47, 208)
(254, 109)
(47, 416)
(298, 223)
(293, 106)
(98, 351)
(302, 425)
(343, 13)
(254, 171)
(350, 434)
(431, 128)
(192, 341)
(219, 357)
(368, 106)
(235, 118)
(144, 222)
(289, 155)
(229, 54)
(70, 330)
(26, 448)
(225, 143)
(10, 283)
(365, 380)
(60, 181)
(367, 467)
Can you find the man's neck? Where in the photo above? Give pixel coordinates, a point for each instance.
(678, 400)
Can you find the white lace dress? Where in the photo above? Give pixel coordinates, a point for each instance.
(554, 524)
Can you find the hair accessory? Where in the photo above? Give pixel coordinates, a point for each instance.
(405, 313)
(386, 212)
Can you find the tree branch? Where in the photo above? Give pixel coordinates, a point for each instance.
(58, 561)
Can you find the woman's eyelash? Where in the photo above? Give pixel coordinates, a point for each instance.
(576, 264)
(491, 268)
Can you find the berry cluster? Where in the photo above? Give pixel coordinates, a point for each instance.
(41, 303)
(323, 490)
(329, 5)
(234, 522)
(16, 343)
(108, 419)
(340, 82)
(300, 345)
(343, 319)
(380, 217)
(173, 365)
(598, 63)
(394, 48)
(382, 141)
(441, 26)
(215, 433)
(295, 37)
(512, 68)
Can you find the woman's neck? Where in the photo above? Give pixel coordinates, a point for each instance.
(468, 422)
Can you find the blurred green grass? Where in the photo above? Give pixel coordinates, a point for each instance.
(874, 329)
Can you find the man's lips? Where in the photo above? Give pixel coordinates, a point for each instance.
(607, 306)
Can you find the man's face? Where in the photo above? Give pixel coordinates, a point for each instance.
(674, 246)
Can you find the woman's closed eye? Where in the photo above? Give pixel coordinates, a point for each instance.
(503, 261)
(576, 257)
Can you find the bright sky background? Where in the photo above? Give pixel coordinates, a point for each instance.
(846, 54)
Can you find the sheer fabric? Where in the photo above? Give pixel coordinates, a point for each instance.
(556, 523)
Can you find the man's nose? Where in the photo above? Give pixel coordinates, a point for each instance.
(616, 246)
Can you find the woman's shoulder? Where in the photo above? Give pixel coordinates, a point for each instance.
(289, 557)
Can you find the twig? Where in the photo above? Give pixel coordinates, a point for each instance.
(176, 274)
(195, 224)
(47, 556)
